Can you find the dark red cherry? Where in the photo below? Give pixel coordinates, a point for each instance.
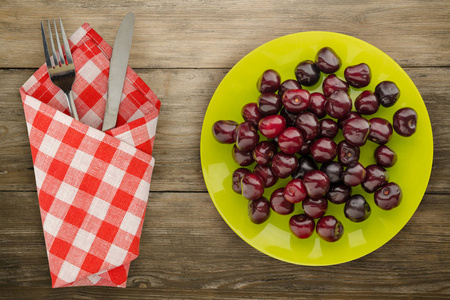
(305, 164)
(296, 101)
(367, 103)
(357, 209)
(387, 93)
(308, 124)
(317, 103)
(284, 164)
(275, 140)
(347, 153)
(307, 73)
(333, 170)
(264, 152)
(349, 116)
(329, 228)
(266, 174)
(338, 105)
(290, 140)
(252, 186)
(272, 126)
(389, 196)
(323, 150)
(385, 156)
(305, 150)
(339, 193)
(236, 178)
(289, 84)
(327, 60)
(301, 226)
(259, 210)
(241, 157)
(295, 191)
(269, 82)
(290, 117)
(269, 104)
(328, 128)
(315, 208)
(380, 131)
(279, 204)
(405, 121)
(332, 83)
(376, 177)
(251, 113)
(354, 174)
(358, 76)
(225, 131)
(356, 131)
(246, 136)
(317, 183)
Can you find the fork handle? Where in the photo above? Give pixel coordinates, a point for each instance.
(72, 108)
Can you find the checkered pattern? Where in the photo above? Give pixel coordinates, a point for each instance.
(92, 186)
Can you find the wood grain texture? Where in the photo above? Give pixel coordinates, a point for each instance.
(183, 49)
(215, 34)
(184, 257)
(185, 95)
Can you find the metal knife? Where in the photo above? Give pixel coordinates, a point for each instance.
(117, 70)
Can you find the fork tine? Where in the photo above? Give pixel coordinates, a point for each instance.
(66, 43)
(55, 56)
(47, 55)
(60, 52)
(61, 74)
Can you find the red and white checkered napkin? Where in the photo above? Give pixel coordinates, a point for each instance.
(93, 186)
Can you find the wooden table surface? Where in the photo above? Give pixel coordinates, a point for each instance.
(183, 49)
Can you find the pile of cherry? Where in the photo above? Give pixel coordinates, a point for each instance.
(299, 139)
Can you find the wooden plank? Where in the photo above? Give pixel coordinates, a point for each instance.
(185, 95)
(315, 292)
(187, 251)
(211, 34)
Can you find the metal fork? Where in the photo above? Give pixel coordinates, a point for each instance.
(62, 74)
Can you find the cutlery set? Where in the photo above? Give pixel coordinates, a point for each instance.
(61, 68)
(93, 183)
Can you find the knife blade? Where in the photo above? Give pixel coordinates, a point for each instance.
(117, 70)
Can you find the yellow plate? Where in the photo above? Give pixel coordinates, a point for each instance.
(412, 171)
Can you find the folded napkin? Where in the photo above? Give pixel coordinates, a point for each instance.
(93, 186)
